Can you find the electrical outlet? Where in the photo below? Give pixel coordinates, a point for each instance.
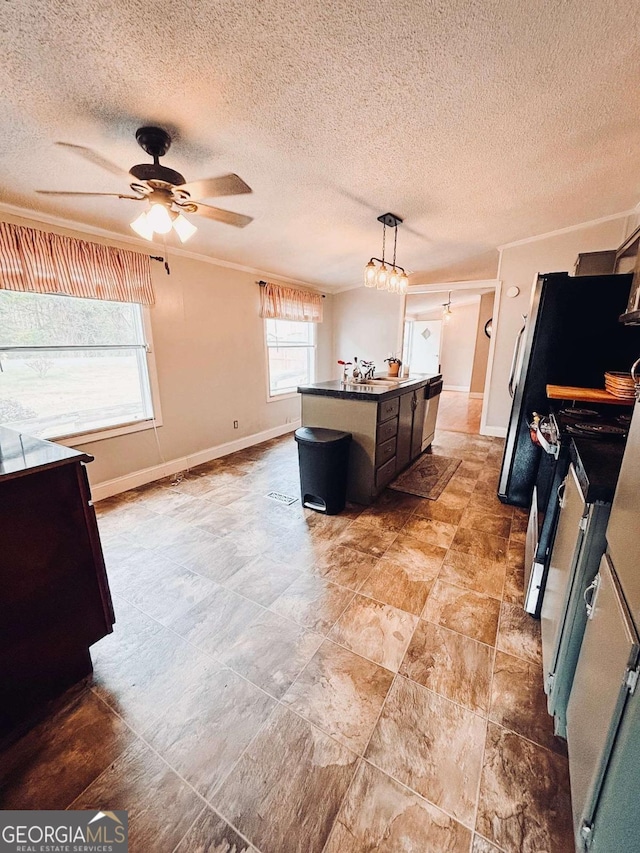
(235, 424)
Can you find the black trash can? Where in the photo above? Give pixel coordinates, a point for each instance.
(323, 455)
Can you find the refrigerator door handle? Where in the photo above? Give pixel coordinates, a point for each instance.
(634, 375)
(516, 356)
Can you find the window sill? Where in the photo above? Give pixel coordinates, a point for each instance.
(107, 432)
(291, 395)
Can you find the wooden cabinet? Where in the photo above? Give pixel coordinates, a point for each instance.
(53, 584)
(411, 420)
(405, 426)
(418, 424)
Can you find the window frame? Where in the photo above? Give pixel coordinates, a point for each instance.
(102, 433)
(288, 395)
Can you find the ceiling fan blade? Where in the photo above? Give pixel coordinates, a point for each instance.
(226, 216)
(112, 195)
(214, 187)
(93, 157)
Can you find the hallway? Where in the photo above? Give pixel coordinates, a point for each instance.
(459, 412)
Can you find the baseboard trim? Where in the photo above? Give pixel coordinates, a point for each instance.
(463, 388)
(108, 488)
(476, 395)
(496, 431)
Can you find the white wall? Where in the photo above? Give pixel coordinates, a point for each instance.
(368, 324)
(209, 351)
(481, 354)
(458, 344)
(519, 265)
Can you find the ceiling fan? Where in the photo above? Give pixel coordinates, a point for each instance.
(168, 193)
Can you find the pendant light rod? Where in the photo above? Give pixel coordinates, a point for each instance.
(381, 260)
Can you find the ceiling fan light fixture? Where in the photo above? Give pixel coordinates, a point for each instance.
(159, 219)
(142, 226)
(183, 228)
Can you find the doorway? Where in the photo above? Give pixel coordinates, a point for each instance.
(447, 329)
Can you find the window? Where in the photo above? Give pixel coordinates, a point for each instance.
(291, 355)
(71, 366)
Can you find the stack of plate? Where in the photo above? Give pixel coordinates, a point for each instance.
(620, 385)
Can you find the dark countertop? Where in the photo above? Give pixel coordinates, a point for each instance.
(597, 465)
(365, 391)
(22, 454)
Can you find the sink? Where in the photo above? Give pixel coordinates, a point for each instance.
(384, 382)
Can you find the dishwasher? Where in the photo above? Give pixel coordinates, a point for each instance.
(432, 400)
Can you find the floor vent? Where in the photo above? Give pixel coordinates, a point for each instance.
(283, 499)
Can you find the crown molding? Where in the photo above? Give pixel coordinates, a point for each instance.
(139, 243)
(569, 228)
(443, 286)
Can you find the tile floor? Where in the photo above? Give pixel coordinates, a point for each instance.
(282, 681)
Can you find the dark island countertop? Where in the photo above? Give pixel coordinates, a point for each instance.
(597, 465)
(22, 454)
(367, 390)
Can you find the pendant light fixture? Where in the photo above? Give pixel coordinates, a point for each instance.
(446, 309)
(376, 272)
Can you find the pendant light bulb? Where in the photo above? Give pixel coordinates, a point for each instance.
(382, 277)
(142, 226)
(159, 219)
(394, 281)
(404, 283)
(446, 309)
(183, 228)
(370, 274)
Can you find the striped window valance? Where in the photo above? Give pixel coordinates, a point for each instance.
(280, 302)
(43, 262)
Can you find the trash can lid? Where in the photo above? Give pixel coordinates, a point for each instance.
(317, 435)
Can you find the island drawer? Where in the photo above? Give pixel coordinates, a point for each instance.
(385, 451)
(386, 473)
(387, 430)
(388, 409)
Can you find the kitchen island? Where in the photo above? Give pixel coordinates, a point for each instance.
(53, 584)
(392, 421)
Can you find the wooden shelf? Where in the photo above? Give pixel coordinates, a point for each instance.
(585, 395)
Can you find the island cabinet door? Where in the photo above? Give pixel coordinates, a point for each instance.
(420, 406)
(405, 427)
(54, 593)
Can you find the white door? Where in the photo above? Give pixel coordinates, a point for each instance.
(425, 346)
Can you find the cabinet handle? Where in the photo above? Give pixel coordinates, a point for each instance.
(589, 595)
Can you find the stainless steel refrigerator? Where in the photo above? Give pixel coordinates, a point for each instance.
(571, 336)
(603, 714)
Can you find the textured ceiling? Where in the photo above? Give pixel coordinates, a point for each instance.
(477, 122)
